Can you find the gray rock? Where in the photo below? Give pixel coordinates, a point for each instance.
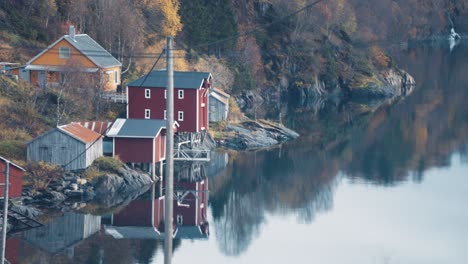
(258, 134)
(26, 210)
(74, 186)
(74, 194)
(56, 196)
(81, 181)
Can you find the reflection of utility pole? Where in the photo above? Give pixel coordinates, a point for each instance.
(5, 209)
(169, 156)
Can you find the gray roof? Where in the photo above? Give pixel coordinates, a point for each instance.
(90, 48)
(93, 50)
(188, 80)
(141, 128)
(190, 232)
(133, 232)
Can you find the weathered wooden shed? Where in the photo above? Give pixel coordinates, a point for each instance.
(218, 105)
(63, 233)
(72, 146)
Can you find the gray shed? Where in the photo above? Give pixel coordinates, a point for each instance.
(72, 146)
(218, 105)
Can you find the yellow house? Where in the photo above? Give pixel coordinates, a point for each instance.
(71, 54)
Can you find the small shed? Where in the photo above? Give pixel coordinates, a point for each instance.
(16, 178)
(218, 105)
(139, 140)
(72, 146)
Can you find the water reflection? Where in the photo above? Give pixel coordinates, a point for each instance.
(133, 234)
(318, 176)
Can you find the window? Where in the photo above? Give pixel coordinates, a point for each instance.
(180, 219)
(115, 77)
(181, 94)
(181, 116)
(165, 114)
(147, 113)
(147, 93)
(64, 52)
(165, 94)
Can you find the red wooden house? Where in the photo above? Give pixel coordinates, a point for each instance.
(147, 98)
(16, 179)
(139, 140)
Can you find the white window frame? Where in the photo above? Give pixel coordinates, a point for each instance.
(180, 94)
(180, 116)
(165, 94)
(147, 93)
(64, 52)
(147, 113)
(165, 114)
(115, 77)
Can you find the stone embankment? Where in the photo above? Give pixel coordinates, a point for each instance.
(108, 190)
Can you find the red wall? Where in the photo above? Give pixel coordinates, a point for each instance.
(160, 149)
(190, 213)
(134, 149)
(138, 213)
(203, 113)
(12, 251)
(16, 180)
(137, 103)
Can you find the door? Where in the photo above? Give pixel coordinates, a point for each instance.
(42, 79)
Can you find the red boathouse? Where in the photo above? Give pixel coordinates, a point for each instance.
(16, 179)
(139, 140)
(147, 98)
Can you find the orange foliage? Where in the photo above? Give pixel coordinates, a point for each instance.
(379, 58)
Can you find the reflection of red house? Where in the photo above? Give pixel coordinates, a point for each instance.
(147, 98)
(12, 250)
(147, 213)
(16, 178)
(190, 209)
(144, 219)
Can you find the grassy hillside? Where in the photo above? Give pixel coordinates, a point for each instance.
(27, 111)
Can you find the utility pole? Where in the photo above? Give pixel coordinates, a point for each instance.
(5, 210)
(169, 156)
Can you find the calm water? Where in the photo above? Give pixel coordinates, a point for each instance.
(388, 186)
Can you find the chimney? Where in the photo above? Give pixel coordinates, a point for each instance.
(72, 32)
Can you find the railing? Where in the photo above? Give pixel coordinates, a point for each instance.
(120, 98)
(192, 154)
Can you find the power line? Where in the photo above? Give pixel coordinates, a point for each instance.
(107, 129)
(256, 29)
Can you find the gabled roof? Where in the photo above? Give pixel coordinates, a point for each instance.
(12, 163)
(138, 128)
(187, 80)
(133, 232)
(80, 132)
(100, 127)
(220, 92)
(220, 96)
(90, 48)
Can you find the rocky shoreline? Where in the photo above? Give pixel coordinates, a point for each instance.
(72, 191)
(255, 134)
